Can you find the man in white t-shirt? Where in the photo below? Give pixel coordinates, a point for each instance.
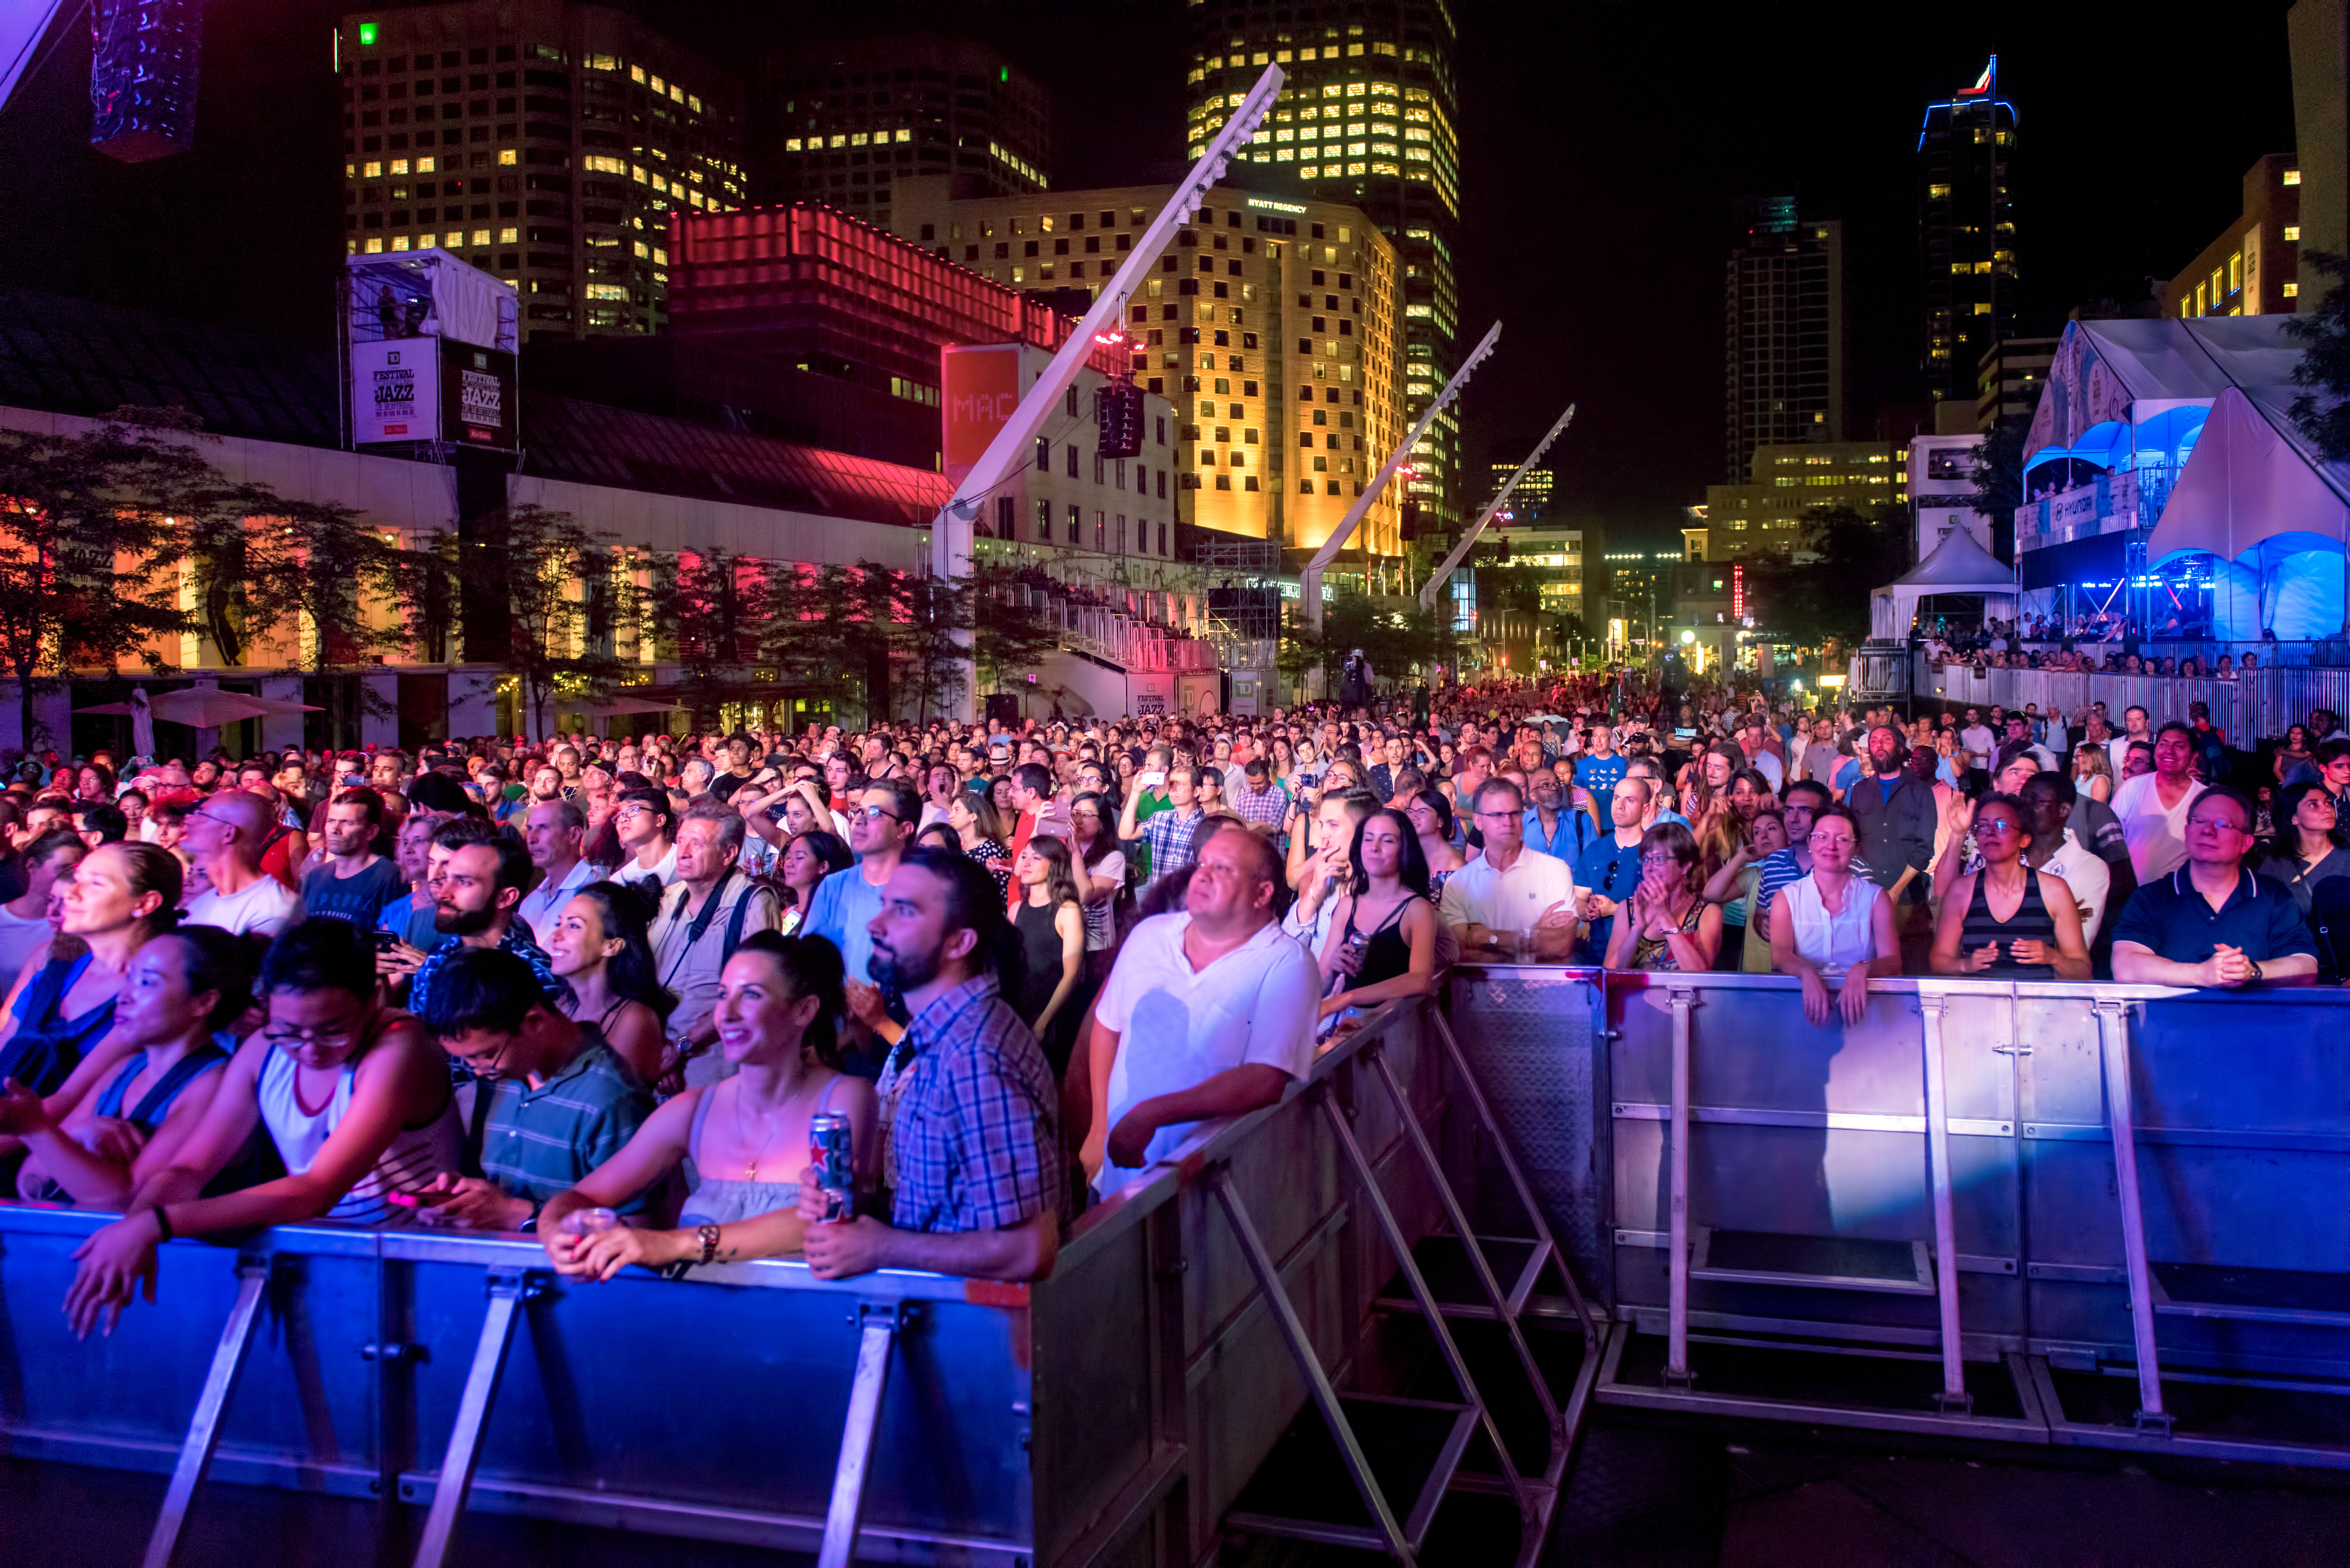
(1208, 1013)
(2153, 807)
(225, 837)
(1510, 888)
(1977, 738)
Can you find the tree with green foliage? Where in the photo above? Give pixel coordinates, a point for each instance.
(1822, 590)
(717, 612)
(564, 603)
(89, 545)
(1392, 639)
(836, 630)
(1009, 638)
(2323, 412)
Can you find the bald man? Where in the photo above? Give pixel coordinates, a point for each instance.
(226, 837)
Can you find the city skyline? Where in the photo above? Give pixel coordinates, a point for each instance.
(1605, 267)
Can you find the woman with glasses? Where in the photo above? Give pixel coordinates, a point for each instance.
(597, 944)
(1833, 923)
(354, 1096)
(1665, 924)
(979, 828)
(1098, 868)
(182, 988)
(2007, 920)
(807, 859)
(1382, 944)
(2307, 850)
(119, 897)
(742, 1141)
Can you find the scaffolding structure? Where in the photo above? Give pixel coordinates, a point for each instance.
(1243, 617)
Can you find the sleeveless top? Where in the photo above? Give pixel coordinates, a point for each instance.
(47, 1046)
(1040, 944)
(1386, 952)
(1656, 953)
(415, 1156)
(1832, 941)
(2031, 922)
(156, 1102)
(717, 1200)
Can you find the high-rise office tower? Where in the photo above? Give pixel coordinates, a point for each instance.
(1367, 118)
(1784, 319)
(1966, 234)
(543, 141)
(1272, 323)
(842, 119)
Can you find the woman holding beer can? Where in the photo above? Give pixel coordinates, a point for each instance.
(744, 1140)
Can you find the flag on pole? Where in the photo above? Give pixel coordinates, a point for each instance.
(1982, 83)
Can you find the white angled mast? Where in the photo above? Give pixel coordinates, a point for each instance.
(1309, 581)
(1460, 551)
(951, 534)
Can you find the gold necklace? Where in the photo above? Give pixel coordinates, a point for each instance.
(751, 1164)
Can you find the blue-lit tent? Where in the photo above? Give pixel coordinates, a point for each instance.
(2272, 517)
(2185, 424)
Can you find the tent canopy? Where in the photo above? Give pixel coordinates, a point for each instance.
(1957, 566)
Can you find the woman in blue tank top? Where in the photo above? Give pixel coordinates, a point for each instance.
(181, 988)
(119, 897)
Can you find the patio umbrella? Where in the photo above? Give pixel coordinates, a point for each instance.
(208, 708)
(613, 707)
(142, 723)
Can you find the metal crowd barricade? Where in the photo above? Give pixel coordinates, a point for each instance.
(1245, 1340)
(2087, 1214)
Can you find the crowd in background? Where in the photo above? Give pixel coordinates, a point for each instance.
(609, 990)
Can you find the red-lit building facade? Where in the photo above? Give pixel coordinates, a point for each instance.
(811, 294)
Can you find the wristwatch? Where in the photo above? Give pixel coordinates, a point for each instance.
(2258, 977)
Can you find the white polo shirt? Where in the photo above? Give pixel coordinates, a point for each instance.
(1179, 1027)
(1511, 900)
(544, 905)
(2090, 878)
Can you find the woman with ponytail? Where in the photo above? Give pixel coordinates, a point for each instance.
(120, 897)
(744, 1140)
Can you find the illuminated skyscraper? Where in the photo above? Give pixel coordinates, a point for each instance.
(1367, 118)
(1783, 312)
(142, 76)
(1966, 234)
(543, 141)
(845, 118)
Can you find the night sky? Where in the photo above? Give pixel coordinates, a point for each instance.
(1602, 143)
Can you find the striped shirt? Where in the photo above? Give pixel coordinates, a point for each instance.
(540, 1141)
(975, 1138)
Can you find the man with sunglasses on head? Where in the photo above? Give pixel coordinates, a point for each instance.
(702, 921)
(1610, 867)
(2211, 921)
(881, 827)
(227, 837)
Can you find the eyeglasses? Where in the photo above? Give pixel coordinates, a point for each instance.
(484, 1069)
(873, 811)
(279, 1035)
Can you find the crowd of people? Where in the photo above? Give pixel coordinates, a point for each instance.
(2087, 645)
(606, 991)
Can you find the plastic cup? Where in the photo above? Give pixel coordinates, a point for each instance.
(588, 1221)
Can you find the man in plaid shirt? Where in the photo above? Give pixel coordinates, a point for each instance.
(1171, 832)
(971, 1117)
(1262, 804)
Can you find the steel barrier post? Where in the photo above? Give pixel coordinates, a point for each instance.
(508, 1288)
(1268, 1284)
(1954, 1396)
(1677, 1366)
(877, 1327)
(204, 1428)
(2113, 1046)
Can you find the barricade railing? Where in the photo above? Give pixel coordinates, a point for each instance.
(2082, 1213)
(1120, 1410)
